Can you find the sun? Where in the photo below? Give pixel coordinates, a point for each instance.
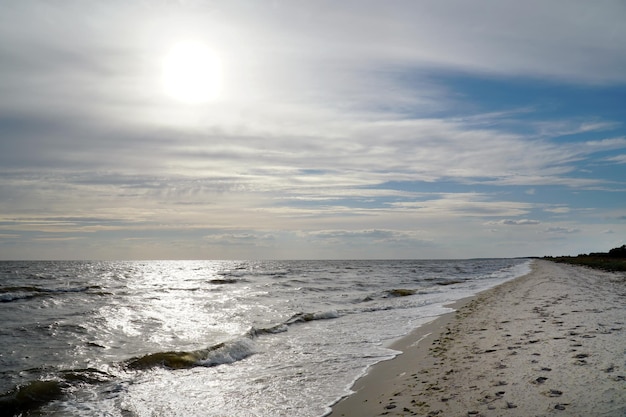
(192, 73)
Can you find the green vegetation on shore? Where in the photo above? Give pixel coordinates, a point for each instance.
(613, 260)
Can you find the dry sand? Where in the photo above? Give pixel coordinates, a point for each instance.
(551, 343)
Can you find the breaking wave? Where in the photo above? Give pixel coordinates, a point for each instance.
(220, 354)
(303, 317)
(30, 396)
(8, 294)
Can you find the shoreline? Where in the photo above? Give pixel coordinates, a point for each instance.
(532, 346)
(382, 376)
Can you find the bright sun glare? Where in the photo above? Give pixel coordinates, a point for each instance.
(192, 73)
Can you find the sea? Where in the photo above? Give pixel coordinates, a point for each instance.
(213, 338)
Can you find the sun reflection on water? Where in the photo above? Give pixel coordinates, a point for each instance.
(165, 306)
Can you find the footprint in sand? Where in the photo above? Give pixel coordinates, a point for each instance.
(581, 358)
(554, 393)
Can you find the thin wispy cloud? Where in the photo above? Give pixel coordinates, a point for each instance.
(619, 159)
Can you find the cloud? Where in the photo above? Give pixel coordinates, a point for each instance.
(606, 144)
(56, 238)
(214, 160)
(373, 234)
(316, 127)
(463, 204)
(557, 128)
(618, 159)
(241, 239)
(530, 38)
(562, 230)
(368, 237)
(520, 222)
(353, 115)
(557, 210)
(9, 235)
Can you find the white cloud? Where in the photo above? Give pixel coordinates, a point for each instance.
(463, 204)
(606, 144)
(572, 39)
(557, 210)
(618, 159)
(562, 230)
(9, 235)
(241, 238)
(325, 103)
(308, 103)
(370, 236)
(520, 222)
(556, 128)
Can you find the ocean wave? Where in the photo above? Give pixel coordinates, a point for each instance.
(392, 293)
(20, 289)
(8, 297)
(222, 353)
(304, 317)
(36, 289)
(33, 395)
(29, 396)
(229, 352)
(236, 274)
(295, 319)
(447, 282)
(224, 281)
(16, 293)
(169, 360)
(255, 332)
(400, 292)
(86, 376)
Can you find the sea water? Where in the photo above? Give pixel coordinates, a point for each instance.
(212, 338)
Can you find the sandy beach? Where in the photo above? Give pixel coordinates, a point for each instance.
(551, 343)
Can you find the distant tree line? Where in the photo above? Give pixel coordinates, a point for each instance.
(613, 260)
(618, 252)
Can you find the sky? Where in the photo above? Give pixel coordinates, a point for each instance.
(338, 130)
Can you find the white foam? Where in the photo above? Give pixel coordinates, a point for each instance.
(230, 352)
(332, 314)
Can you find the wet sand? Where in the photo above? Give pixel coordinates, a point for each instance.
(551, 343)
